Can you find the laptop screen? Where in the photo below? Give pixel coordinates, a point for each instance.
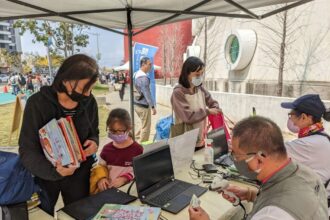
(152, 168)
(220, 145)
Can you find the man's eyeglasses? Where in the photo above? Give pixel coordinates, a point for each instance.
(234, 157)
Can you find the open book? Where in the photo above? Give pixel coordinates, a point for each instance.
(60, 142)
(127, 212)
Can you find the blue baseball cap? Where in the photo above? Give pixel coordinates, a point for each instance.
(310, 104)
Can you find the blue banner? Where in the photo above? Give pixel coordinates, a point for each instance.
(144, 50)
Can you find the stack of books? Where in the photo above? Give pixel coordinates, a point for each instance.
(60, 142)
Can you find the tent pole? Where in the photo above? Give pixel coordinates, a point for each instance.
(130, 47)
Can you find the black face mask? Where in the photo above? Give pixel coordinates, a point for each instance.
(76, 96)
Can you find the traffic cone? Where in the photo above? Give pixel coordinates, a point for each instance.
(5, 89)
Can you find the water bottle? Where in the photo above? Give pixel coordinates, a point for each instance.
(208, 152)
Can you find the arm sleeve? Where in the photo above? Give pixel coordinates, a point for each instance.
(272, 213)
(94, 132)
(182, 109)
(299, 151)
(129, 174)
(209, 101)
(30, 149)
(145, 89)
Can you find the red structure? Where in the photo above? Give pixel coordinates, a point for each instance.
(153, 37)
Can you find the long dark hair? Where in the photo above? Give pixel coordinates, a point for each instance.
(192, 64)
(76, 67)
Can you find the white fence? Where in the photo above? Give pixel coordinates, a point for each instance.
(237, 106)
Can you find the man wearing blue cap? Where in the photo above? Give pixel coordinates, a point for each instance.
(312, 148)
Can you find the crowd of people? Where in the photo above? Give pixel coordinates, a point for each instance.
(293, 176)
(21, 83)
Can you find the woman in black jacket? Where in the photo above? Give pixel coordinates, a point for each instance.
(69, 95)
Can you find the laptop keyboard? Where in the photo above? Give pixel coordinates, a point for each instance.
(170, 193)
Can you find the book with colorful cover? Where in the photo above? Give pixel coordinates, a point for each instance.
(46, 143)
(49, 142)
(127, 212)
(72, 140)
(76, 138)
(66, 133)
(60, 142)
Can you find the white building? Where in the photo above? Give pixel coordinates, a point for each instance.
(9, 37)
(250, 62)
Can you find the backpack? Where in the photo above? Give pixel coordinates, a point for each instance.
(22, 80)
(163, 127)
(16, 182)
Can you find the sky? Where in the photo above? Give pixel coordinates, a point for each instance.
(111, 46)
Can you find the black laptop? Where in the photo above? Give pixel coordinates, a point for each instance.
(88, 207)
(156, 185)
(220, 146)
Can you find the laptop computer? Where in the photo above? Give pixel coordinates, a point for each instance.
(220, 146)
(156, 185)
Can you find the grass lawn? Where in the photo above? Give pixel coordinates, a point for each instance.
(100, 89)
(7, 111)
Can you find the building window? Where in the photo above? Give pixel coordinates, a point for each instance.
(234, 49)
(239, 48)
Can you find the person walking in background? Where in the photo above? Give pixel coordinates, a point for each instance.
(191, 102)
(122, 81)
(144, 102)
(21, 82)
(29, 84)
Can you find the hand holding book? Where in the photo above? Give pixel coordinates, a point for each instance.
(91, 147)
(65, 171)
(61, 145)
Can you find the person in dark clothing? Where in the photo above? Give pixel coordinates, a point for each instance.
(121, 80)
(29, 84)
(69, 95)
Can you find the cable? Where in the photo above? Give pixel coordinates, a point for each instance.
(193, 167)
(244, 210)
(130, 186)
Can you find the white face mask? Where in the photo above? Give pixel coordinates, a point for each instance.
(197, 81)
(292, 127)
(251, 158)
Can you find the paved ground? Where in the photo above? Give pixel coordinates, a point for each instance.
(113, 101)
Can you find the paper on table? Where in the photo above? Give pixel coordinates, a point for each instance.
(154, 146)
(182, 150)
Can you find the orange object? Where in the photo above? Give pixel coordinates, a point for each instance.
(5, 89)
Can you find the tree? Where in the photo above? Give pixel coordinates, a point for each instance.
(11, 59)
(208, 27)
(315, 50)
(42, 61)
(171, 40)
(280, 35)
(64, 36)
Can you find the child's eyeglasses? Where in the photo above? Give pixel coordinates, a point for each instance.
(116, 131)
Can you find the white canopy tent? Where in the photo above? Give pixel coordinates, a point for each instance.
(126, 67)
(135, 16)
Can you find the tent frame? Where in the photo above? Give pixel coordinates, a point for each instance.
(130, 33)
